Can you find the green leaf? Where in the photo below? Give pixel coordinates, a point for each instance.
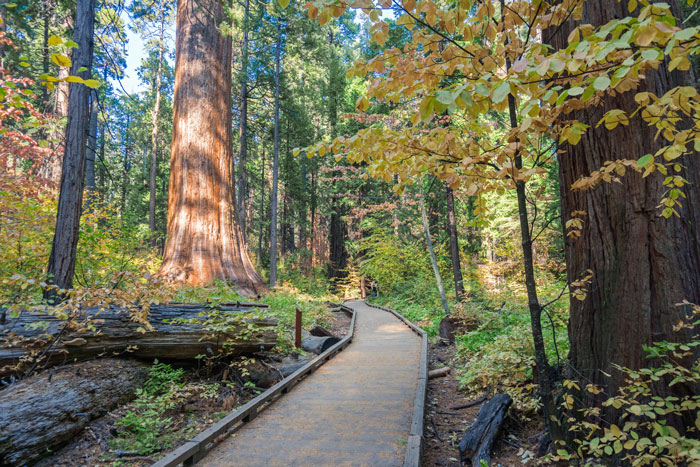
(601, 83)
(501, 91)
(650, 54)
(482, 89)
(641, 162)
(23, 64)
(576, 91)
(70, 43)
(283, 3)
(445, 97)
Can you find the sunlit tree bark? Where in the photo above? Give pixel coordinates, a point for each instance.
(204, 240)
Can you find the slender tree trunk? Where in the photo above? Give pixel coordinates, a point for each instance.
(243, 130)
(262, 209)
(204, 239)
(125, 163)
(65, 241)
(275, 163)
(431, 252)
(454, 245)
(643, 265)
(154, 132)
(90, 154)
(544, 373)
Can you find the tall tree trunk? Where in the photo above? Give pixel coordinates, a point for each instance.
(125, 163)
(154, 131)
(454, 245)
(544, 371)
(275, 162)
(65, 241)
(262, 209)
(642, 264)
(431, 252)
(243, 129)
(204, 240)
(90, 154)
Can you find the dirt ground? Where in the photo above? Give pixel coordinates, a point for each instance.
(444, 426)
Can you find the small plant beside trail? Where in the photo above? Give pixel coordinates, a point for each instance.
(144, 428)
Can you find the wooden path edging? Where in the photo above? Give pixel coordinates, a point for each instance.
(414, 448)
(195, 449)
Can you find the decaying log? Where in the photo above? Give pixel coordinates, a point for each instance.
(479, 437)
(44, 411)
(439, 372)
(21, 343)
(318, 345)
(320, 331)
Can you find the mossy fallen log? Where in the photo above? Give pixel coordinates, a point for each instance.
(175, 331)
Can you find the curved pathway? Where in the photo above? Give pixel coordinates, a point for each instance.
(354, 410)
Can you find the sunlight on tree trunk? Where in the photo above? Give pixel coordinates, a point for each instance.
(275, 162)
(204, 240)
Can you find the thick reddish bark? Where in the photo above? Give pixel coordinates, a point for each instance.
(643, 265)
(204, 240)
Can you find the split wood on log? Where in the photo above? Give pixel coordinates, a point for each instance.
(44, 411)
(34, 335)
(479, 437)
(439, 372)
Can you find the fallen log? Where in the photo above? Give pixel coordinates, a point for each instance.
(318, 345)
(44, 411)
(320, 331)
(477, 442)
(439, 372)
(177, 332)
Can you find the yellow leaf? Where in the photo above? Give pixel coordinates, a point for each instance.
(74, 79)
(92, 83)
(61, 60)
(55, 40)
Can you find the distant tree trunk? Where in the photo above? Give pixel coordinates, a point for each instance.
(243, 130)
(275, 162)
(154, 132)
(454, 245)
(642, 264)
(125, 163)
(262, 209)
(338, 232)
(431, 252)
(65, 241)
(91, 151)
(204, 240)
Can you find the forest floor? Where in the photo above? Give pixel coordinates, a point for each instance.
(205, 395)
(444, 426)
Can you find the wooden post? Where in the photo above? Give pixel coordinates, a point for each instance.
(297, 335)
(362, 288)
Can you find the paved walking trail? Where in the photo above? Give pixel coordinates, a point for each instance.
(354, 410)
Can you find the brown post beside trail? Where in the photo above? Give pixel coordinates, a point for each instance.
(297, 335)
(363, 284)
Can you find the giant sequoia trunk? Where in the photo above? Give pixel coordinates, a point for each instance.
(642, 264)
(204, 240)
